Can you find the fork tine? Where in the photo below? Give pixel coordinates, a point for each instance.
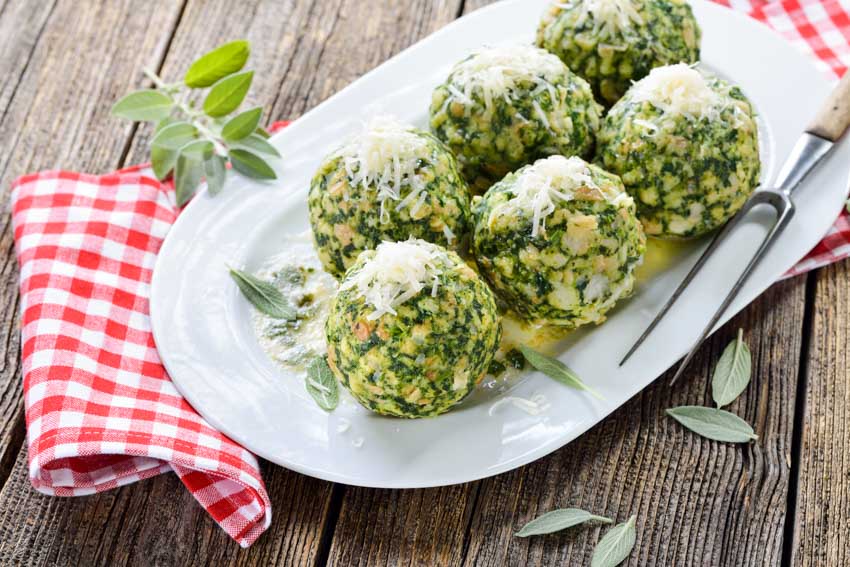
(785, 215)
(715, 242)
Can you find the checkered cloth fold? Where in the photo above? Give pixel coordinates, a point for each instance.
(100, 409)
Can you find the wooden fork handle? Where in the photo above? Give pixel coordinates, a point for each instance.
(834, 116)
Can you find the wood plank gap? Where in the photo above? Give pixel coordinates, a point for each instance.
(326, 538)
(128, 143)
(17, 442)
(789, 531)
(467, 532)
(460, 8)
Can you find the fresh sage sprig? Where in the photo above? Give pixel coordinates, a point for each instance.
(558, 520)
(264, 296)
(732, 373)
(713, 423)
(321, 384)
(197, 134)
(615, 545)
(555, 369)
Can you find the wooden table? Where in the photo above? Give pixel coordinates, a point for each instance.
(782, 500)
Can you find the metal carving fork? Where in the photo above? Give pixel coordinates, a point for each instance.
(818, 139)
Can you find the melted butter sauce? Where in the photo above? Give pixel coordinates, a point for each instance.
(298, 273)
(660, 255)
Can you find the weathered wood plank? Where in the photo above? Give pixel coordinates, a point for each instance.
(823, 486)
(698, 502)
(155, 522)
(402, 527)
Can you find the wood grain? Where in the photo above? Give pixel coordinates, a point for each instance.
(153, 522)
(698, 502)
(823, 489)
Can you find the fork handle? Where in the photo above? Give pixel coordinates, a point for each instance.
(833, 118)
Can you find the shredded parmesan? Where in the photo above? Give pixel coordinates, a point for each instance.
(540, 186)
(609, 16)
(681, 90)
(385, 156)
(495, 71)
(397, 272)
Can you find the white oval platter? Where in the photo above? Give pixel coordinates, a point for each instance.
(202, 326)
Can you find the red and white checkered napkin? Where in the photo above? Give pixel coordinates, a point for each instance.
(101, 411)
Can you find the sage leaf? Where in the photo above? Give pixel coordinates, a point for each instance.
(558, 520)
(251, 164)
(258, 145)
(167, 121)
(712, 423)
(263, 133)
(732, 373)
(321, 384)
(555, 369)
(218, 63)
(146, 106)
(190, 168)
(187, 177)
(175, 136)
(227, 94)
(615, 545)
(241, 125)
(198, 150)
(215, 173)
(264, 296)
(163, 161)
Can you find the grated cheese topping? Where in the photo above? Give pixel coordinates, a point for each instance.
(679, 89)
(609, 16)
(495, 71)
(397, 272)
(548, 181)
(385, 156)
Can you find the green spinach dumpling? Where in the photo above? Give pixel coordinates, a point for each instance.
(686, 147)
(390, 182)
(504, 107)
(611, 43)
(412, 330)
(559, 241)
